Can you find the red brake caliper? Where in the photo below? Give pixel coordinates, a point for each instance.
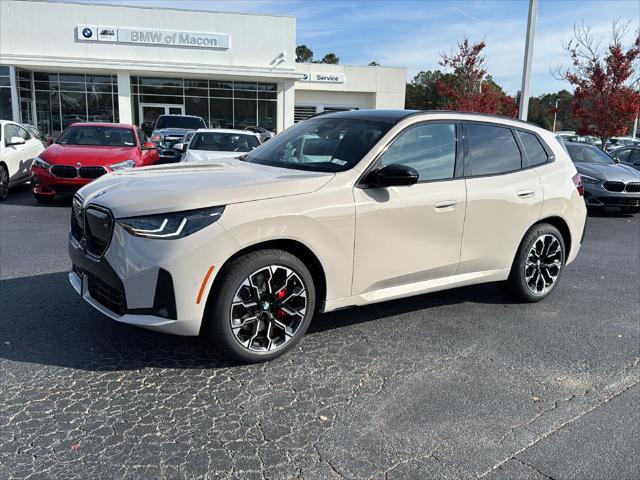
(280, 295)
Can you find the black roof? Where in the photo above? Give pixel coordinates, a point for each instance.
(394, 116)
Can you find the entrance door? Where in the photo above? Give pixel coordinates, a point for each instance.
(149, 113)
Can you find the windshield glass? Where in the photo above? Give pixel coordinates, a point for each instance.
(588, 155)
(322, 144)
(223, 142)
(97, 136)
(177, 121)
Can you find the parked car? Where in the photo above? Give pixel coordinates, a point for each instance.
(343, 209)
(37, 134)
(169, 130)
(212, 144)
(263, 133)
(628, 156)
(86, 151)
(18, 148)
(607, 183)
(181, 147)
(619, 142)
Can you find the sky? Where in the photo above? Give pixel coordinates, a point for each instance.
(413, 34)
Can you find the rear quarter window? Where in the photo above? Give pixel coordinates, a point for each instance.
(492, 150)
(535, 152)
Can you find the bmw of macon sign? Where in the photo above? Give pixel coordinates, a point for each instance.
(142, 36)
(323, 77)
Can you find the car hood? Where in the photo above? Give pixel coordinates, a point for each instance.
(617, 172)
(172, 132)
(205, 156)
(87, 155)
(187, 185)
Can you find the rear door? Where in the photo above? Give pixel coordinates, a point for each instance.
(504, 197)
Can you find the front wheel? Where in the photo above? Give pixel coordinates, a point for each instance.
(4, 183)
(538, 264)
(262, 306)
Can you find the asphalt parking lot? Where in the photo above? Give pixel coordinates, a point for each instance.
(459, 384)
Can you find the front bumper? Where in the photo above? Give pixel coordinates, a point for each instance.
(168, 154)
(43, 182)
(155, 284)
(595, 195)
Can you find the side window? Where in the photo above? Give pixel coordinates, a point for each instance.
(141, 136)
(23, 133)
(623, 155)
(10, 131)
(635, 156)
(492, 150)
(535, 152)
(429, 148)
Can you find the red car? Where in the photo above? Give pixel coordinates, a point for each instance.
(86, 151)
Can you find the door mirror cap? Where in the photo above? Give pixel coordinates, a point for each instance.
(394, 175)
(149, 146)
(16, 141)
(180, 147)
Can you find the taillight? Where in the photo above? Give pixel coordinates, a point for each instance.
(577, 181)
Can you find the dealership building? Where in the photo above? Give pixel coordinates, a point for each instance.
(67, 62)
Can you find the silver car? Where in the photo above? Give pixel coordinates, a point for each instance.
(607, 183)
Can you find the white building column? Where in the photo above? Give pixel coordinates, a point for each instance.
(15, 100)
(124, 98)
(286, 102)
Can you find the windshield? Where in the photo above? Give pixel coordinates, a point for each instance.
(322, 144)
(97, 136)
(588, 155)
(223, 142)
(177, 121)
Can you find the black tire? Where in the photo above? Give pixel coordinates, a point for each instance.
(517, 284)
(4, 183)
(631, 210)
(43, 198)
(218, 318)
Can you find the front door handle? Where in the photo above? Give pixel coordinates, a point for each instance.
(527, 193)
(445, 204)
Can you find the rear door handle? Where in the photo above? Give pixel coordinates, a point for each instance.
(527, 193)
(450, 204)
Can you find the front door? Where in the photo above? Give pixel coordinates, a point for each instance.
(149, 113)
(406, 235)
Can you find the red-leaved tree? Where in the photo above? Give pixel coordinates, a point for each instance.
(606, 99)
(468, 88)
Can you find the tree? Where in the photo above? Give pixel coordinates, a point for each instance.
(374, 64)
(542, 108)
(303, 54)
(422, 92)
(468, 88)
(331, 59)
(605, 98)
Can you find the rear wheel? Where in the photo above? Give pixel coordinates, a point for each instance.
(538, 264)
(4, 182)
(262, 307)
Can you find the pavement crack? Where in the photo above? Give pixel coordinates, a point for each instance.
(534, 468)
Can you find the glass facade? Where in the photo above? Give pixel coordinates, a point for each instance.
(222, 103)
(62, 99)
(5, 93)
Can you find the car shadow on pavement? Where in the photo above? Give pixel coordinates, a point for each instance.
(44, 321)
(608, 213)
(21, 196)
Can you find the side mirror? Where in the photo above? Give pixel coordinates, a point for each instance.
(16, 141)
(149, 146)
(179, 147)
(394, 175)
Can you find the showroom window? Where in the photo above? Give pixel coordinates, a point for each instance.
(429, 148)
(63, 99)
(222, 103)
(5, 93)
(492, 150)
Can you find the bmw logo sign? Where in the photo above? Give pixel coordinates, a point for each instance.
(306, 77)
(87, 32)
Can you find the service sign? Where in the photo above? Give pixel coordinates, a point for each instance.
(323, 77)
(142, 36)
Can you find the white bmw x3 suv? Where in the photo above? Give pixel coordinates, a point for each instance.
(343, 209)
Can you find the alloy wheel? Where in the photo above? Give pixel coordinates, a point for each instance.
(543, 264)
(268, 308)
(4, 183)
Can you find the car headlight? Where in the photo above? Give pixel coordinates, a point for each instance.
(38, 162)
(588, 179)
(123, 165)
(169, 226)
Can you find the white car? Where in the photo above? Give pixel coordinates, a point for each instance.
(343, 209)
(18, 148)
(214, 143)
